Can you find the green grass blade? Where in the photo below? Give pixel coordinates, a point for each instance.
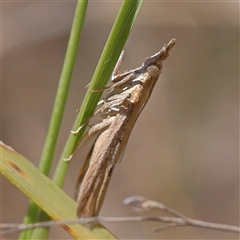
(41, 190)
(58, 110)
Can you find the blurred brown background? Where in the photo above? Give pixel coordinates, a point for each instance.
(184, 148)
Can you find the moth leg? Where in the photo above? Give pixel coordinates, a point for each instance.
(99, 89)
(123, 84)
(85, 139)
(118, 65)
(86, 123)
(97, 128)
(101, 126)
(116, 76)
(100, 110)
(78, 130)
(114, 73)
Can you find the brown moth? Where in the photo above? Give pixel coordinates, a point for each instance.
(127, 97)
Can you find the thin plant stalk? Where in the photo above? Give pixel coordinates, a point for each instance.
(58, 109)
